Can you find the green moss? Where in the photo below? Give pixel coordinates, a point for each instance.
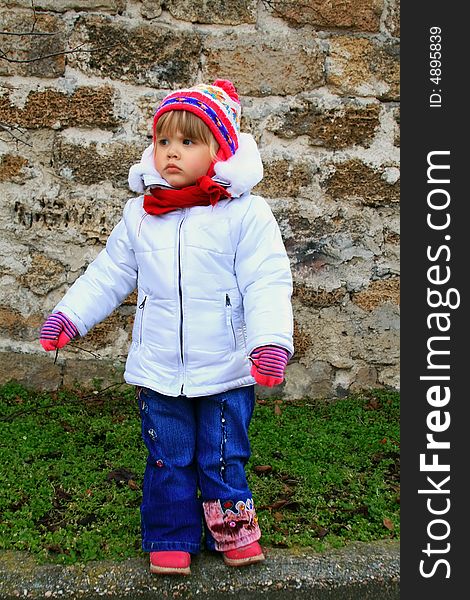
(331, 472)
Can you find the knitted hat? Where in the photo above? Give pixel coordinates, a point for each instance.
(217, 105)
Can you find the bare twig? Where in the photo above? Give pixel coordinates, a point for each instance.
(10, 130)
(80, 399)
(277, 5)
(32, 32)
(74, 345)
(34, 15)
(27, 33)
(94, 354)
(52, 54)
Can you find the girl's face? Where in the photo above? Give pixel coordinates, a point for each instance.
(181, 160)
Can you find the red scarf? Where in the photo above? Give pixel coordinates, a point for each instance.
(203, 193)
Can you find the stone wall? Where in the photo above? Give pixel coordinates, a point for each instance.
(319, 83)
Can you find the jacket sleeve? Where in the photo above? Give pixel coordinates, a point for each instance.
(107, 281)
(264, 278)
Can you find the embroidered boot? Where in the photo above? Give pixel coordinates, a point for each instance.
(246, 555)
(170, 562)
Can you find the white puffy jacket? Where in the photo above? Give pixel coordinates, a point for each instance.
(213, 284)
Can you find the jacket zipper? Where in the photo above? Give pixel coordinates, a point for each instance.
(142, 306)
(180, 291)
(228, 307)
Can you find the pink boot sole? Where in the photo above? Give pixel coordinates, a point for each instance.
(246, 555)
(168, 562)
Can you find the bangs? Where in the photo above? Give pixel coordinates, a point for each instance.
(186, 123)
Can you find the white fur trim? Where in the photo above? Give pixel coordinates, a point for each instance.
(244, 169)
(144, 173)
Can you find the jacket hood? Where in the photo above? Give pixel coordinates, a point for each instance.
(240, 173)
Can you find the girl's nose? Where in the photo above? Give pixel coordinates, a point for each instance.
(172, 151)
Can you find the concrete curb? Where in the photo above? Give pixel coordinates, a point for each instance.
(357, 572)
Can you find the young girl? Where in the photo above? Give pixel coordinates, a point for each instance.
(213, 318)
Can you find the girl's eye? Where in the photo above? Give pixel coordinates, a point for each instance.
(187, 142)
(162, 142)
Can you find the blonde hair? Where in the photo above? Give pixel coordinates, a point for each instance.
(189, 125)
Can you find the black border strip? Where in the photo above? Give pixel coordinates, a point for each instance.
(434, 250)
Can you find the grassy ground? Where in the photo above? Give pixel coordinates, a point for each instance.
(322, 472)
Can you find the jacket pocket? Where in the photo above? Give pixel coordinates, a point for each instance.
(141, 308)
(229, 322)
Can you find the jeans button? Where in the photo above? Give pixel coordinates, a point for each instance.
(159, 463)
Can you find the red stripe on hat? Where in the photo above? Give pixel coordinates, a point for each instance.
(205, 99)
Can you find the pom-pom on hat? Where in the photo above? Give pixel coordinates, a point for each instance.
(217, 105)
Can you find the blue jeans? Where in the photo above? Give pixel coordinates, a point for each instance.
(197, 444)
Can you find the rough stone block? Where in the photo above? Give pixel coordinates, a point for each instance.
(89, 218)
(283, 178)
(353, 180)
(317, 298)
(89, 373)
(85, 107)
(131, 300)
(264, 65)
(379, 346)
(378, 292)
(359, 231)
(302, 340)
(89, 164)
(389, 377)
(396, 114)
(12, 167)
(304, 231)
(36, 371)
(43, 275)
(118, 326)
(334, 337)
(15, 326)
(338, 127)
(38, 52)
(151, 9)
(364, 67)
(60, 6)
(366, 378)
(310, 382)
(357, 15)
(217, 12)
(154, 54)
(392, 18)
(142, 122)
(333, 250)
